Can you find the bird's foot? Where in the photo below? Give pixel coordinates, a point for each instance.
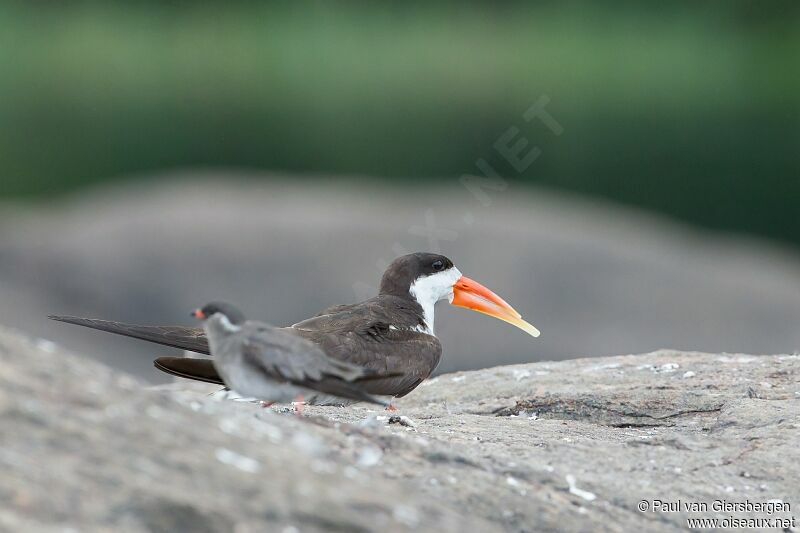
(299, 405)
(391, 408)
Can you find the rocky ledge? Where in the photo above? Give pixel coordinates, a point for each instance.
(568, 446)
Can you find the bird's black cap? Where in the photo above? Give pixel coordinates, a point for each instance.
(233, 314)
(406, 269)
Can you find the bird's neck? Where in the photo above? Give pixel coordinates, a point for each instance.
(405, 312)
(427, 303)
(218, 328)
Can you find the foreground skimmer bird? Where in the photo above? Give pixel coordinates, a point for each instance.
(270, 364)
(391, 333)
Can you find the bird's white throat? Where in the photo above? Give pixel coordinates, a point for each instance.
(427, 290)
(225, 324)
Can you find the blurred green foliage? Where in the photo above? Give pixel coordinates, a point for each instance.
(688, 108)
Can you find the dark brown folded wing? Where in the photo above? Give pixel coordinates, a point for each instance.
(300, 363)
(189, 368)
(185, 338)
(376, 335)
(410, 356)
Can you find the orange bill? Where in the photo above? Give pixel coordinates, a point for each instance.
(470, 294)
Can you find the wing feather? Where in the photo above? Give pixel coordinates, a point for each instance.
(364, 335)
(185, 338)
(284, 357)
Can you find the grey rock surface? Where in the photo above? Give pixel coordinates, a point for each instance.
(553, 446)
(596, 279)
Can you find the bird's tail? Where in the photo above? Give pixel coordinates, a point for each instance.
(182, 337)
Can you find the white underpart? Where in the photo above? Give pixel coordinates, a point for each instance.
(427, 290)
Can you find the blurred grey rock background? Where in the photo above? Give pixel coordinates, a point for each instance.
(560, 446)
(595, 279)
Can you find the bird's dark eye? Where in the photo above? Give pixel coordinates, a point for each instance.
(438, 265)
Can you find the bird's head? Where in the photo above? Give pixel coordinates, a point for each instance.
(429, 278)
(226, 314)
